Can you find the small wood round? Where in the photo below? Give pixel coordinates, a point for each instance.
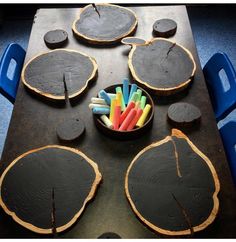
(46, 74)
(164, 28)
(183, 114)
(56, 38)
(109, 235)
(154, 66)
(107, 26)
(46, 189)
(133, 41)
(172, 186)
(70, 130)
(126, 135)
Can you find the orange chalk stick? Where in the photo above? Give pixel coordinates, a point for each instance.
(135, 119)
(116, 117)
(126, 112)
(128, 120)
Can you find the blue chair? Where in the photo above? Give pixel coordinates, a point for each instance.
(8, 87)
(223, 101)
(228, 131)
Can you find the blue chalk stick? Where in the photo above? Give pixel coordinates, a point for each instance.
(132, 90)
(99, 110)
(126, 90)
(105, 96)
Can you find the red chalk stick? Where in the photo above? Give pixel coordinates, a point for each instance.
(128, 120)
(116, 118)
(126, 112)
(135, 119)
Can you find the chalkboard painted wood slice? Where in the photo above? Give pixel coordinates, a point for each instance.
(133, 41)
(172, 186)
(47, 74)
(164, 28)
(161, 66)
(107, 24)
(183, 114)
(56, 38)
(46, 189)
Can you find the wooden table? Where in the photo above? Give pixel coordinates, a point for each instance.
(34, 122)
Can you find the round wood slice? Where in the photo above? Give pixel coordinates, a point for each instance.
(46, 189)
(48, 73)
(71, 129)
(164, 28)
(183, 114)
(109, 24)
(56, 38)
(161, 66)
(133, 41)
(172, 186)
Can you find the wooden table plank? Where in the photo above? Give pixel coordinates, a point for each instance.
(34, 122)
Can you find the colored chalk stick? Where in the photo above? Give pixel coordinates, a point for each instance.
(134, 97)
(143, 102)
(135, 119)
(98, 110)
(139, 91)
(118, 98)
(98, 100)
(105, 96)
(111, 95)
(116, 118)
(144, 115)
(94, 105)
(128, 120)
(126, 112)
(137, 105)
(126, 90)
(119, 90)
(132, 90)
(112, 109)
(106, 121)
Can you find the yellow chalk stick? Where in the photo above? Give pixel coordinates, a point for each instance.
(112, 109)
(143, 117)
(118, 98)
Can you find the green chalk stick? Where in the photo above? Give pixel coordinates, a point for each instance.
(134, 97)
(139, 91)
(143, 102)
(118, 89)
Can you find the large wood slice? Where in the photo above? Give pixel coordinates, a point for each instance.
(161, 66)
(106, 24)
(47, 73)
(46, 189)
(172, 186)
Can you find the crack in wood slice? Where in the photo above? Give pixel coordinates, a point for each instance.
(176, 158)
(53, 215)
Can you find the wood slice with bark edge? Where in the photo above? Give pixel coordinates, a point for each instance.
(101, 41)
(133, 41)
(164, 28)
(60, 97)
(91, 194)
(178, 134)
(56, 38)
(160, 90)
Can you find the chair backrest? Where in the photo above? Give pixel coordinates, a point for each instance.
(228, 135)
(223, 99)
(9, 86)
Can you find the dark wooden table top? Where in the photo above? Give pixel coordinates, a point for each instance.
(34, 122)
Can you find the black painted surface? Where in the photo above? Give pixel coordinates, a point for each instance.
(162, 65)
(112, 23)
(153, 179)
(27, 187)
(56, 38)
(183, 114)
(70, 129)
(164, 28)
(133, 40)
(46, 72)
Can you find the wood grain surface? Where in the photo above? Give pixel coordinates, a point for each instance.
(165, 190)
(34, 123)
(28, 182)
(107, 24)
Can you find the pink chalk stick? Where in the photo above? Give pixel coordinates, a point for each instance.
(126, 112)
(116, 118)
(128, 119)
(135, 119)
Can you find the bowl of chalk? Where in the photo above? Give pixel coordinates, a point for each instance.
(122, 111)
